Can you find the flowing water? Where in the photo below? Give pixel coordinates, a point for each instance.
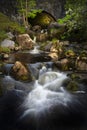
(46, 104)
(47, 92)
(35, 50)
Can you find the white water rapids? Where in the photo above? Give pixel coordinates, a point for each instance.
(47, 92)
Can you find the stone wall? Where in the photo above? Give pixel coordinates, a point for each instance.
(54, 7)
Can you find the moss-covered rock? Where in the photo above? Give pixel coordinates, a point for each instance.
(70, 53)
(4, 50)
(81, 61)
(72, 86)
(42, 18)
(20, 71)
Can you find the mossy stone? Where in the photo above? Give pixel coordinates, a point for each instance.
(72, 86)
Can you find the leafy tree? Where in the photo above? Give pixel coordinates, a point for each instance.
(24, 7)
(75, 19)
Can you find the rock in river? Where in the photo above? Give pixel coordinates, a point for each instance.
(20, 71)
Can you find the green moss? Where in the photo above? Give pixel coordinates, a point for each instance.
(42, 18)
(72, 86)
(43, 45)
(70, 53)
(7, 25)
(24, 77)
(3, 35)
(74, 76)
(4, 50)
(54, 40)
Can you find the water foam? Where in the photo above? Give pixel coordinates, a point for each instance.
(47, 95)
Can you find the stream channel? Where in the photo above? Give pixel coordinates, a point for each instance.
(45, 103)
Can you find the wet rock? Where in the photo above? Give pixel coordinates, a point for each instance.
(63, 64)
(72, 86)
(66, 43)
(36, 28)
(7, 84)
(70, 53)
(54, 52)
(5, 56)
(20, 71)
(48, 46)
(8, 43)
(81, 62)
(25, 41)
(66, 64)
(56, 25)
(81, 65)
(41, 37)
(53, 55)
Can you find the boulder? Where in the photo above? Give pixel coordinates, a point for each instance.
(81, 65)
(70, 53)
(81, 62)
(63, 64)
(73, 86)
(55, 29)
(41, 37)
(8, 43)
(36, 28)
(20, 71)
(25, 41)
(53, 55)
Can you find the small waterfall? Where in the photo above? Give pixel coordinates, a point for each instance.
(35, 50)
(47, 92)
(45, 103)
(36, 47)
(34, 40)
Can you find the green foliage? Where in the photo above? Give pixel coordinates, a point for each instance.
(16, 27)
(75, 20)
(3, 35)
(65, 19)
(7, 25)
(4, 50)
(22, 4)
(24, 8)
(54, 40)
(33, 13)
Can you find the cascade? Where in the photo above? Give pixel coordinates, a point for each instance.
(45, 104)
(47, 92)
(35, 50)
